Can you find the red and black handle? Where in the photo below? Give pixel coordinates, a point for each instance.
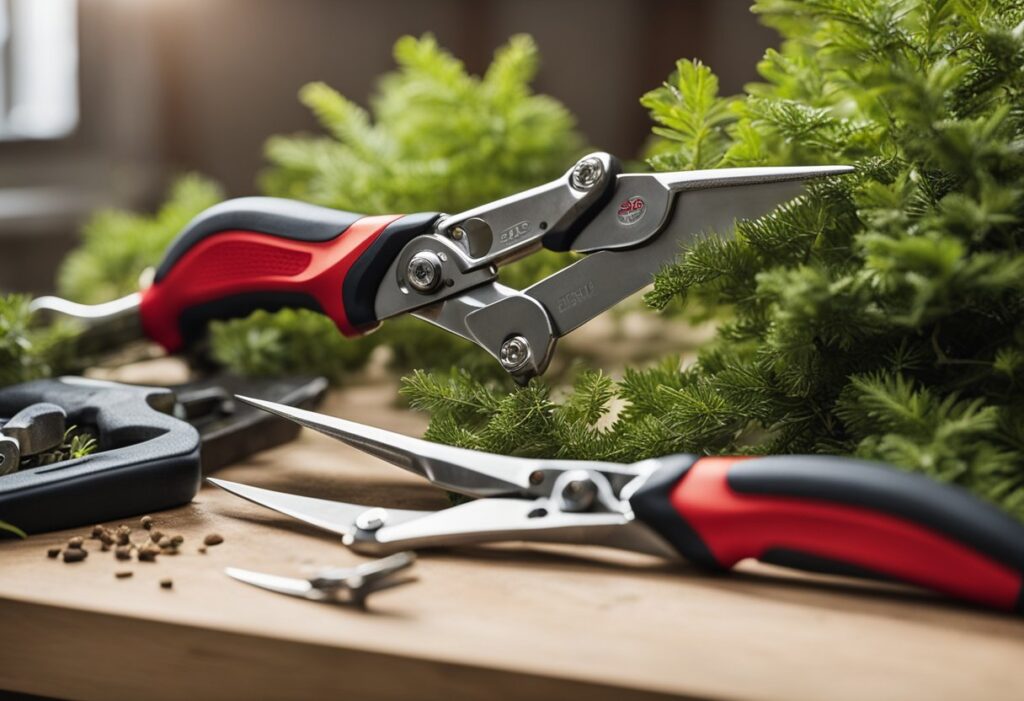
(837, 515)
(268, 253)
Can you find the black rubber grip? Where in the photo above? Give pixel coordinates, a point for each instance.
(264, 215)
(194, 320)
(147, 460)
(359, 290)
(945, 509)
(652, 505)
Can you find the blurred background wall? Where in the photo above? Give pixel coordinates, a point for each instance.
(167, 86)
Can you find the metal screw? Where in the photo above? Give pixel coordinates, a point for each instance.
(536, 477)
(515, 352)
(457, 233)
(424, 272)
(587, 173)
(579, 494)
(372, 519)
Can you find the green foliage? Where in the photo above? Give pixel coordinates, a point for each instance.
(692, 118)
(4, 526)
(77, 443)
(881, 314)
(28, 352)
(117, 245)
(471, 413)
(290, 341)
(435, 139)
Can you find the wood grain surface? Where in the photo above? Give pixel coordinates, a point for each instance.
(499, 622)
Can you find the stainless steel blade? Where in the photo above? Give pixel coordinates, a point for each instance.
(282, 585)
(380, 531)
(581, 291)
(338, 584)
(366, 577)
(642, 202)
(335, 516)
(468, 472)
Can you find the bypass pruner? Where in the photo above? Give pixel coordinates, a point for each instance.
(817, 513)
(267, 253)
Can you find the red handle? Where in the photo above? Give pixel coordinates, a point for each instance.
(843, 516)
(265, 253)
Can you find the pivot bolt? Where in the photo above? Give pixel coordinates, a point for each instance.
(457, 233)
(587, 173)
(515, 352)
(576, 491)
(424, 272)
(372, 519)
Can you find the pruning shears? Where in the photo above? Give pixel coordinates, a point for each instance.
(817, 513)
(266, 253)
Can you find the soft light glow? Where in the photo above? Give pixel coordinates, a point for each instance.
(40, 75)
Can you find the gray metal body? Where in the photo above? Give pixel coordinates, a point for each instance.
(35, 429)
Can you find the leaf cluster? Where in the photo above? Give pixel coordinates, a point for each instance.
(29, 351)
(881, 314)
(435, 137)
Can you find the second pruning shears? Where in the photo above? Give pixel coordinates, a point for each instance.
(817, 513)
(266, 253)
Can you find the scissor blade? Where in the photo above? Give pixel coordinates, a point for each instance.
(703, 204)
(283, 585)
(469, 472)
(727, 177)
(335, 516)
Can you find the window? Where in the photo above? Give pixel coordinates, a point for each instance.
(38, 68)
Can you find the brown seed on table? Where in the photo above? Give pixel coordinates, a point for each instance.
(166, 583)
(96, 531)
(123, 552)
(148, 552)
(123, 534)
(147, 522)
(106, 537)
(213, 539)
(76, 542)
(166, 542)
(155, 535)
(53, 553)
(123, 574)
(177, 540)
(104, 547)
(202, 549)
(75, 555)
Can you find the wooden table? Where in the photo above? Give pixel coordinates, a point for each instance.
(538, 622)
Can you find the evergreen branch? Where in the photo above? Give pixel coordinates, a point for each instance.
(29, 351)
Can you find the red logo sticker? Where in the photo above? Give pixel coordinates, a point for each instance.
(631, 211)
